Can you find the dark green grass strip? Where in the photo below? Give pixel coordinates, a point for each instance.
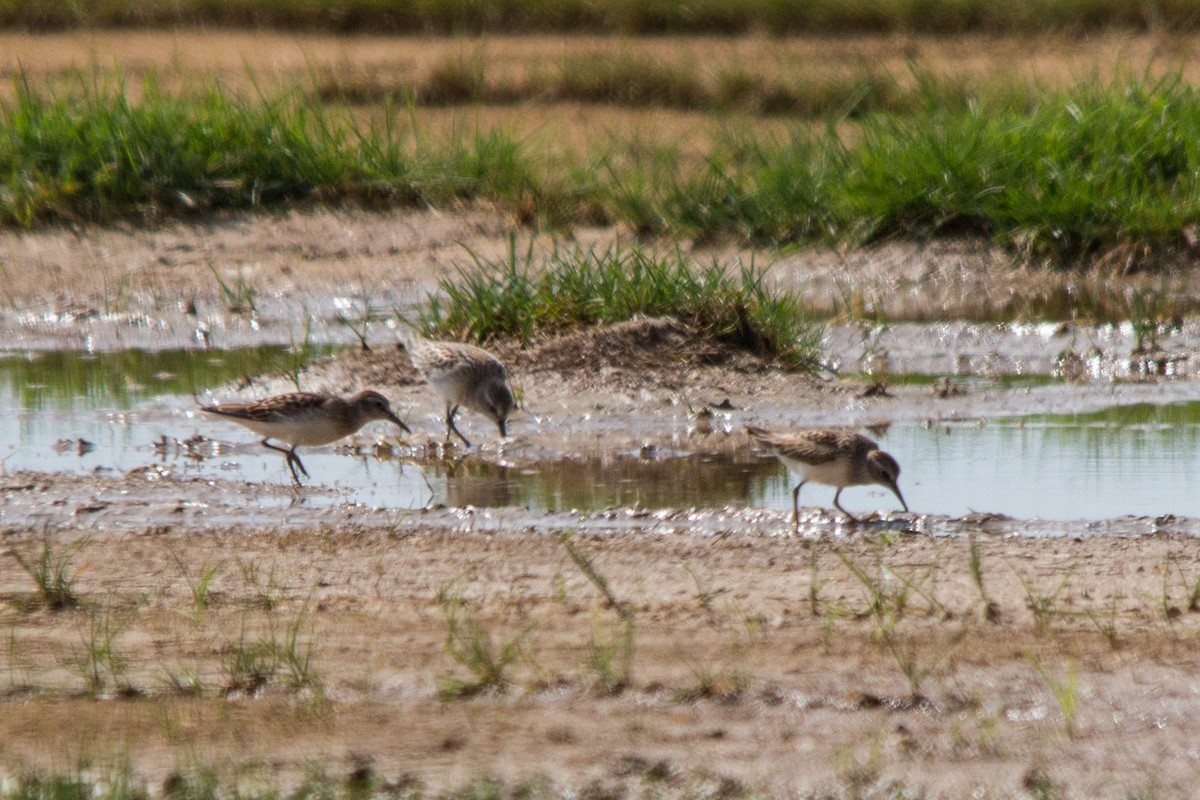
(1068, 175)
(631, 81)
(93, 155)
(721, 17)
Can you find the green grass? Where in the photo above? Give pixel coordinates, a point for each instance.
(511, 299)
(99, 661)
(1078, 173)
(1065, 176)
(88, 153)
(274, 656)
(617, 16)
(120, 784)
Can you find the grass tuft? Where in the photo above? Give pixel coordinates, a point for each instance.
(51, 572)
(1065, 690)
(510, 299)
(471, 645)
(99, 662)
(888, 597)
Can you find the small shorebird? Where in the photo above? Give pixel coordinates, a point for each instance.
(306, 418)
(835, 457)
(463, 375)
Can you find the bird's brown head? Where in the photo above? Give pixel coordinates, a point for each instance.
(373, 405)
(885, 471)
(497, 403)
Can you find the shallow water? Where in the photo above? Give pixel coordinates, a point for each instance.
(111, 413)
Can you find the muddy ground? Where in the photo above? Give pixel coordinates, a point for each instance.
(216, 626)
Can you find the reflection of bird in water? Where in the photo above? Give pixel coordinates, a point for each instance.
(305, 418)
(833, 456)
(463, 375)
(474, 483)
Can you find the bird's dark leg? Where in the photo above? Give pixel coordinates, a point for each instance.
(450, 426)
(293, 460)
(838, 494)
(796, 504)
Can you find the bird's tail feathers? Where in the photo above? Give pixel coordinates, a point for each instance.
(756, 432)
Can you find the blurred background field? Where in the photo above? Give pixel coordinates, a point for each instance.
(1071, 146)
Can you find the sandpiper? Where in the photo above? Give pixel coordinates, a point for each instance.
(307, 418)
(463, 375)
(833, 456)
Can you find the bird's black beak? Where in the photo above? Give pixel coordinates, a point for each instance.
(896, 489)
(503, 425)
(399, 422)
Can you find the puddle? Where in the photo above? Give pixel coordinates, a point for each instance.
(1130, 460)
(110, 413)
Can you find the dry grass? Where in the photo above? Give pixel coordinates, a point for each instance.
(229, 55)
(248, 63)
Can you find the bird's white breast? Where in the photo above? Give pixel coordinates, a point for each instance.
(832, 473)
(307, 431)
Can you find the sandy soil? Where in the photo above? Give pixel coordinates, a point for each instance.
(759, 659)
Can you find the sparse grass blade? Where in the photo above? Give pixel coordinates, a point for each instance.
(470, 644)
(299, 354)
(1106, 624)
(887, 604)
(239, 295)
(296, 653)
(1065, 690)
(52, 573)
(100, 664)
(250, 663)
(991, 611)
(611, 656)
(1042, 605)
(200, 585)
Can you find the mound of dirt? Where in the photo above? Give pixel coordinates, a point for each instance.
(645, 347)
(644, 344)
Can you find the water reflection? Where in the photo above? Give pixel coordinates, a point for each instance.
(62, 380)
(735, 478)
(1135, 460)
